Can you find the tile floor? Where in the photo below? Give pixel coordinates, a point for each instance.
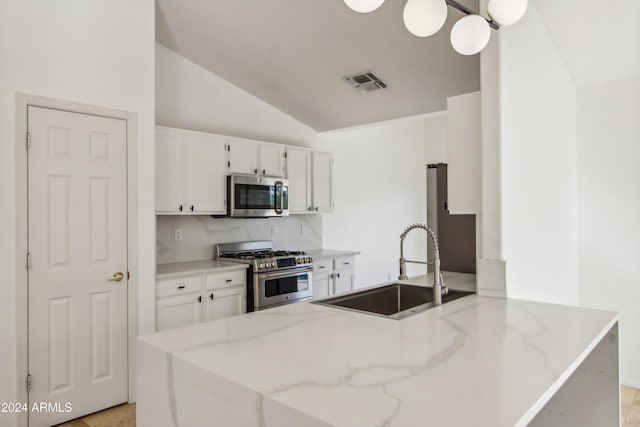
(125, 415)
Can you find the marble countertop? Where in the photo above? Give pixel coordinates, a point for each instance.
(180, 269)
(476, 361)
(329, 253)
(452, 280)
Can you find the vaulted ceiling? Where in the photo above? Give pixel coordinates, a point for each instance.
(294, 53)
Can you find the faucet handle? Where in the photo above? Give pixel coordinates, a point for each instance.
(444, 290)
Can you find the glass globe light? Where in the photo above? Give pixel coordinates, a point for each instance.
(364, 6)
(470, 34)
(424, 17)
(506, 12)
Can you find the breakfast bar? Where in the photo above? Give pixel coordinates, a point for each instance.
(476, 361)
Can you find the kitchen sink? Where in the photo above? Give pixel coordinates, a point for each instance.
(394, 301)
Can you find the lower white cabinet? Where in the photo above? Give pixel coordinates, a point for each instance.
(199, 298)
(225, 302)
(333, 276)
(178, 311)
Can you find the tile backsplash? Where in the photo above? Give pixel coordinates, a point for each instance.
(200, 233)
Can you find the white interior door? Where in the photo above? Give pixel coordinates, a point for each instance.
(78, 245)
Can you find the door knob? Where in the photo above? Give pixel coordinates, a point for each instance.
(117, 277)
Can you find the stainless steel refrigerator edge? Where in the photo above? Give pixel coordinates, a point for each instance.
(456, 233)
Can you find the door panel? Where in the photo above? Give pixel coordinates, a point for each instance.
(77, 207)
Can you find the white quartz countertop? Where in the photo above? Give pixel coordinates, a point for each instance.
(476, 361)
(328, 253)
(180, 269)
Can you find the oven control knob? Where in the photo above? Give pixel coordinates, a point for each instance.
(273, 264)
(261, 265)
(307, 260)
(298, 261)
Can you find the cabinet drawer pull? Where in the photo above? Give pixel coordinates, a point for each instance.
(200, 298)
(322, 266)
(180, 208)
(229, 280)
(181, 287)
(191, 208)
(346, 263)
(338, 275)
(210, 296)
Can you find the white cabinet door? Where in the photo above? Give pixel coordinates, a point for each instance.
(169, 171)
(299, 176)
(225, 302)
(463, 152)
(177, 311)
(343, 281)
(243, 156)
(322, 285)
(206, 174)
(322, 171)
(271, 160)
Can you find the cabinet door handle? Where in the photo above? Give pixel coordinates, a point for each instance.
(200, 298)
(191, 208)
(180, 208)
(264, 171)
(316, 209)
(229, 280)
(211, 296)
(181, 287)
(255, 170)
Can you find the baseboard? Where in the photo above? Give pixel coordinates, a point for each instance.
(630, 383)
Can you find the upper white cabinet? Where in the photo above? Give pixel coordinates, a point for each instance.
(169, 171)
(464, 154)
(251, 157)
(299, 176)
(322, 181)
(271, 160)
(190, 172)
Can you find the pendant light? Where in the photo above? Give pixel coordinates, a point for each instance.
(506, 12)
(470, 34)
(424, 17)
(364, 6)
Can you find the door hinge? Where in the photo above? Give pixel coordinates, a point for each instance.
(128, 275)
(229, 147)
(28, 140)
(28, 260)
(285, 154)
(28, 383)
(228, 164)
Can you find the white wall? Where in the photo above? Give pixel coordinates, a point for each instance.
(539, 176)
(190, 97)
(609, 209)
(93, 52)
(380, 175)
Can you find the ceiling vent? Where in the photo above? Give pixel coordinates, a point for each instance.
(365, 82)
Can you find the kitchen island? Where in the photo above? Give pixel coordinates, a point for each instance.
(476, 361)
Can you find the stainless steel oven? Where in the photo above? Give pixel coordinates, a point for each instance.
(281, 287)
(251, 196)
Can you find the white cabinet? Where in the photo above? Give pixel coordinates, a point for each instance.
(299, 177)
(225, 302)
(251, 157)
(190, 173)
(178, 311)
(464, 154)
(322, 181)
(333, 276)
(199, 298)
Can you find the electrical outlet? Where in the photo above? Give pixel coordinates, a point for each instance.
(177, 234)
(274, 231)
(303, 228)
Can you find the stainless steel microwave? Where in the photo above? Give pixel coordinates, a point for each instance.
(250, 196)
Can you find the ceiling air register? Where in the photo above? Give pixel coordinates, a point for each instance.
(365, 82)
(469, 34)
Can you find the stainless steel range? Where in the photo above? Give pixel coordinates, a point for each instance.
(273, 277)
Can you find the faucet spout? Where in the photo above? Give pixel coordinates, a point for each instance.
(438, 287)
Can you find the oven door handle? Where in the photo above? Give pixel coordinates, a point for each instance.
(279, 209)
(287, 273)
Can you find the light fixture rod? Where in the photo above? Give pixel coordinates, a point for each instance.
(454, 4)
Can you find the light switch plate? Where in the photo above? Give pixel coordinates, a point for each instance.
(303, 228)
(274, 231)
(177, 234)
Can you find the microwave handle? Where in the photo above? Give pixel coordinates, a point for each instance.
(279, 209)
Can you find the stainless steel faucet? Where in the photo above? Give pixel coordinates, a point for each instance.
(438, 287)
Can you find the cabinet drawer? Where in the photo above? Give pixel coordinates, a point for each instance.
(226, 279)
(323, 264)
(344, 262)
(168, 287)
